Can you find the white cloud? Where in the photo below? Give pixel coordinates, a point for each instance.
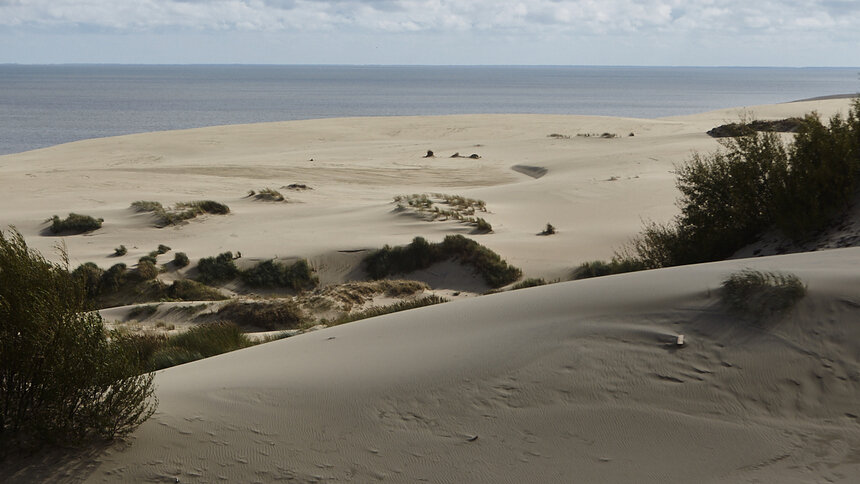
(511, 16)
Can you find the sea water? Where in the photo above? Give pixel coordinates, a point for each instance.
(46, 105)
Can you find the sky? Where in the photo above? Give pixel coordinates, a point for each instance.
(433, 32)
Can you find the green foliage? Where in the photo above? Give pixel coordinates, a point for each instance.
(756, 182)
(90, 276)
(146, 270)
(391, 308)
(142, 312)
(482, 226)
(162, 249)
(63, 379)
(75, 224)
(120, 251)
(180, 260)
(113, 278)
(421, 254)
(761, 295)
(297, 276)
(268, 316)
(214, 270)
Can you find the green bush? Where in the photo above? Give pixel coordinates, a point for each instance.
(180, 260)
(146, 270)
(755, 183)
(162, 249)
(114, 278)
(75, 224)
(297, 276)
(214, 270)
(168, 356)
(267, 316)
(63, 378)
(421, 254)
(120, 251)
(482, 226)
(90, 276)
(549, 230)
(761, 295)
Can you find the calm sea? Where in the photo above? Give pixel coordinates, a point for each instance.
(46, 105)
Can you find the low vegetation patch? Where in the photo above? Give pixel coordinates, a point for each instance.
(198, 342)
(442, 207)
(600, 268)
(180, 212)
(421, 254)
(180, 260)
(788, 125)
(218, 269)
(267, 316)
(297, 276)
(530, 282)
(120, 251)
(391, 308)
(760, 295)
(548, 230)
(267, 195)
(75, 224)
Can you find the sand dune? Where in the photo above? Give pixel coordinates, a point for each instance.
(571, 382)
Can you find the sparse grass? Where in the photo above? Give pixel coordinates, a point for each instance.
(75, 224)
(391, 308)
(760, 295)
(530, 282)
(199, 342)
(162, 249)
(268, 195)
(142, 312)
(600, 268)
(120, 251)
(267, 316)
(558, 136)
(181, 211)
(297, 276)
(442, 207)
(421, 254)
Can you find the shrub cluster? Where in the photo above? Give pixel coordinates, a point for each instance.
(180, 260)
(297, 276)
(439, 206)
(119, 285)
(75, 224)
(755, 183)
(421, 254)
(63, 378)
(267, 195)
(760, 295)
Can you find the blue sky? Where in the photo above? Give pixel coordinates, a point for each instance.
(563, 32)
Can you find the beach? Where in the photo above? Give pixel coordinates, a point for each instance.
(578, 381)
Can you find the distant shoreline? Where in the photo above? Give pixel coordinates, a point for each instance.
(825, 98)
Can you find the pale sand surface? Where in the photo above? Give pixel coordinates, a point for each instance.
(569, 382)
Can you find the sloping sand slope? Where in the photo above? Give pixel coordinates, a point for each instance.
(574, 382)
